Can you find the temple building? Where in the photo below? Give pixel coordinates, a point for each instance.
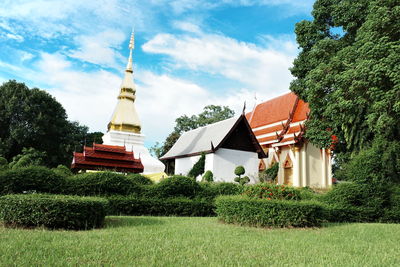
(124, 128)
(105, 157)
(278, 125)
(226, 145)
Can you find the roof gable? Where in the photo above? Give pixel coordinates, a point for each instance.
(210, 138)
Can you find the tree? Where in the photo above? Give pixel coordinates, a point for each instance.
(198, 167)
(28, 157)
(33, 118)
(208, 177)
(210, 114)
(348, 71)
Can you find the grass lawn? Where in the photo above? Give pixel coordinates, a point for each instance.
(177, 241)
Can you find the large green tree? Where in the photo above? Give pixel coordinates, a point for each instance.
(32, 118)
(348, 70)
(210, 114)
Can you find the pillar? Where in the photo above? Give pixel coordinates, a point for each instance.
(304, 165)
(296, 167)
(323, 162)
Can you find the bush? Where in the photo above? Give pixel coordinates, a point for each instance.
(208, 177)
(52, 211)
(28, 157)
(62, 170)
(160, 207)
(272, 191)
(140, 179)
(3, 164)
(101, 184)
(212, 190)
(379, 163)
(392, 213)
(177, 186)
(244, 210)
(198, 167)
(271, 173)
(35, 178)
(361, 202)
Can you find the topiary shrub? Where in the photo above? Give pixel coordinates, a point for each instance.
(198, 167)
(272, 191)
(244, 210)
(35, 178)
(101, 184)
(208, 177)
(239, 171)
(52, 211)
(130, 205)
(177, 186)
(140, 179)
(271, 173)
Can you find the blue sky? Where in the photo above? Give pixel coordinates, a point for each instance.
(188, 54)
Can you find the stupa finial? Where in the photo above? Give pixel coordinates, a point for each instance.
(131, 47)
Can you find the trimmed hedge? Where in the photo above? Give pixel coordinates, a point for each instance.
(52, 211)
(244, 210)
(140, 179)
(272, 191)
(212, 190)
(120, 205)
(35, 179)
(100, 184)
(177, 186)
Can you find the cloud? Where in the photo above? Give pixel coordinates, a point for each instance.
(257, 68)
(101, 48)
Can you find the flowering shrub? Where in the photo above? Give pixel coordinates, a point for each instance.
(272, 191)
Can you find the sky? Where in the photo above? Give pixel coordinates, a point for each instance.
(188, 54)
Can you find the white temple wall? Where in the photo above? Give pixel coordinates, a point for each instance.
(226, 160)
(184, 165)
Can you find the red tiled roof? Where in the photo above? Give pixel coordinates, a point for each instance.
(281, 115)
(271, 111)
(106, 157)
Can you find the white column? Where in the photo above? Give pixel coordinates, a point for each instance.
(323, 161)
(296, 167)
(329, 168)
(304, 165)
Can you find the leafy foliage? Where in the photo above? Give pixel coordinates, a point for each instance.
(3, 164)
(33, 118)
(140, 179)
(239, 171)
(272, 191)
(271, 173)
(34, 179)
(212, 190)
(28, 157)
(100, 184)
(198, 167)
(380, 162)
(177, 186)
(208, 176)
(244, 210)
(62, 171)
(52, 211)
(348, 72)
(131, 205)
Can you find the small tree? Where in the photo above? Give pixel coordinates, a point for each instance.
(208, 177)
(198, 167)
(239, 171)
(3, 164)
(28, 157)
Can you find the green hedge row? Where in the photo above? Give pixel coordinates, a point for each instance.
(121, 205)
(52, 211)
(244, 210)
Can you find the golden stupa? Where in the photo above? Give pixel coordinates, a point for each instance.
(125, 117)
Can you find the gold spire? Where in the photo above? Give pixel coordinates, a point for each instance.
(125, 117)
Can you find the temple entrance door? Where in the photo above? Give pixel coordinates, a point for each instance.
(288, 171)
(288, 176)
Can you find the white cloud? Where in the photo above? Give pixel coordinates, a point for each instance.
(101, 48)
(257, 68)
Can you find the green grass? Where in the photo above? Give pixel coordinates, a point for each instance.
(182, 241)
